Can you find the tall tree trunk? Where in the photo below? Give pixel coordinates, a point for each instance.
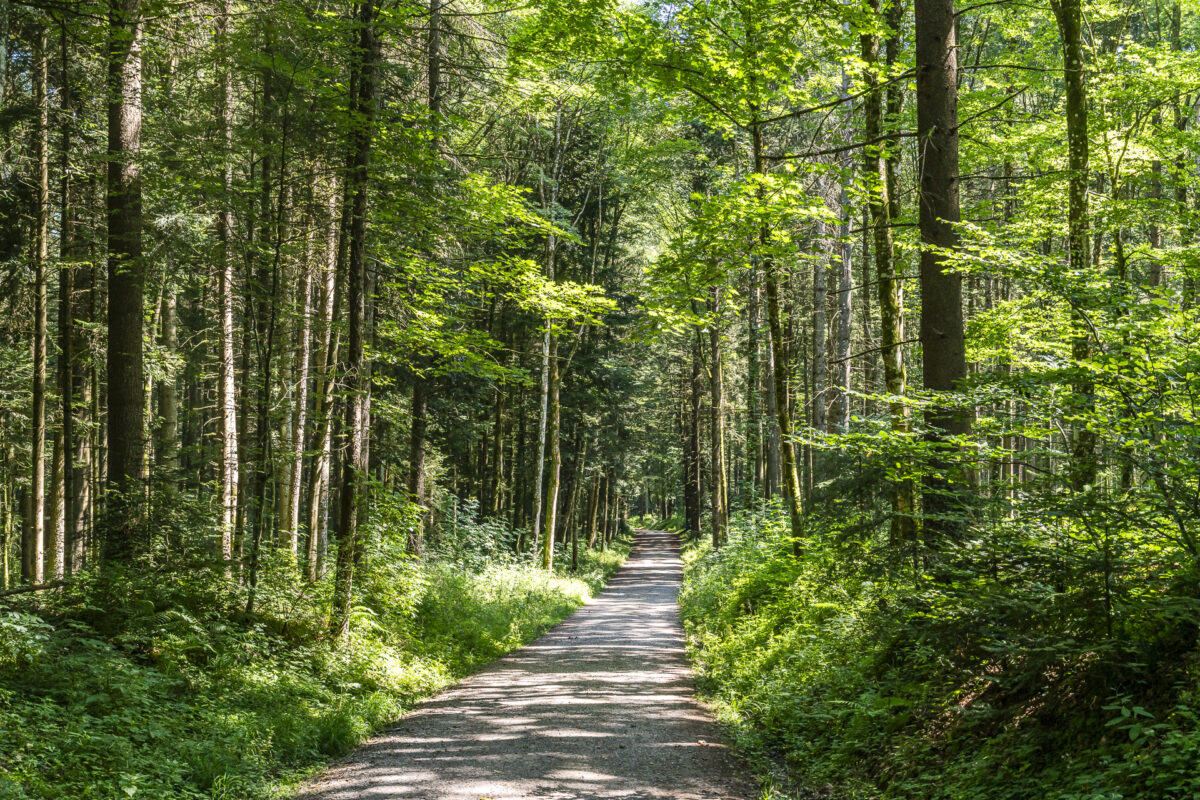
(166, 449)
(879, 181)
(593, 508)
(300, 418)
(69, 367)
(416, 458)
(944, 360)
(555, 454)
(356, 369)
(717, 413)
(820, 362)
(318, 485)
(496, 487)
(576, 482)
(783, 421)
(57, 540)
(126, 278)
(754, 428)
(841, 401)
(226, 385)
(1069, 14)
(40, 257)
(692, 489)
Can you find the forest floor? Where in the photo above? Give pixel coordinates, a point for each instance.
(600, 707)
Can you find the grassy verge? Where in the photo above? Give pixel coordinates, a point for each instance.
(843, 683)
(130, 690)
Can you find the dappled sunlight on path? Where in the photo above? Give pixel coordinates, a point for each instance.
(600, 707)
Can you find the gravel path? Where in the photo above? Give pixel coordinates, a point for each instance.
(600, 707)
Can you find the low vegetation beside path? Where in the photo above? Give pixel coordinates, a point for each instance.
(157, 686)
(846, 679)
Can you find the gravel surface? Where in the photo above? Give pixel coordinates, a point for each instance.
(600, 707)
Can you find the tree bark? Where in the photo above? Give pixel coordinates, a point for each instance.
(126, 278)
(356, 367)
(879, 180)
(841, 400)
(692, 488)
(416, 458)
(300, 418)
(717, 413)
(69, 367)
(555, 454)
(40, 257)
(790, 475)
(942, 340)
(166, 449)
(1069, 14)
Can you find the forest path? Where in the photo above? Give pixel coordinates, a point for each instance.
(600, 707)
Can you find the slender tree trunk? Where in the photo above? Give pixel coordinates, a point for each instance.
(73, 474)
(357, 370)
(790, 476)
(944, 361)
(57, 540)
(496, 490)
(820, 363)
(318, 489)
(692, 491)
(593, 508)
(879, 182)
(40, 258)
(754, 427)
(166, 450)
(841, 401)
(416, 458)
(576, 482)
(717, 412)
(226, 386)
(1069, 14)
(555, 466)
(300, 419)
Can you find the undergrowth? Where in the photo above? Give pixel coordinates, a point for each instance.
(152, 683)
(846, 678)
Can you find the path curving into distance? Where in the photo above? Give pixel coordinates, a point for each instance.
(600, 707)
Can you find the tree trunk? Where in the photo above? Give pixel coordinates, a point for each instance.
(126, 277)
(576, 482)
(40, 257)
(318, 488)
(555, 466)
(1069, 14)
(356, 368)
(717, 414)
(754, 427)
(944, 360)
(790, 475)
(300, 419)
(593, 508)
(73, 472)
(416, 458)
(879, 182)
(841, 401)
(166, 449)
(692, 488)
(57, 540)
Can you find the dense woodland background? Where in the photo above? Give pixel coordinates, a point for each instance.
(341, 341)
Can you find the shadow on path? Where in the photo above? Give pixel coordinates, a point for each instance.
(600, 707)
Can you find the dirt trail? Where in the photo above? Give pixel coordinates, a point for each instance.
(600, 707)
